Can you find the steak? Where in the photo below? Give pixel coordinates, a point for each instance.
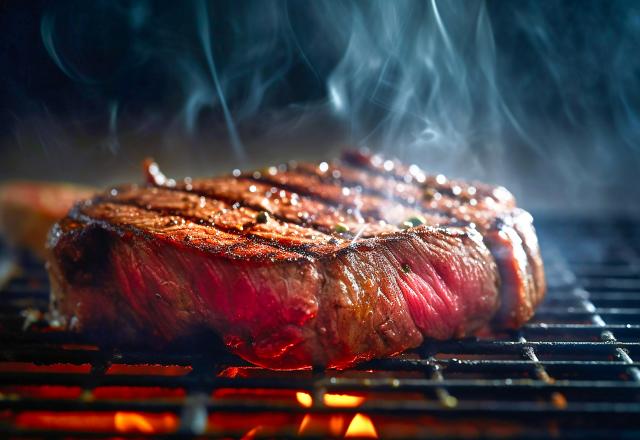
(298, 265)
(28, 209)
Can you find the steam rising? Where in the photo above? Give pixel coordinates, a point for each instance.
(414, 75)
(469, 87)
(205, 36)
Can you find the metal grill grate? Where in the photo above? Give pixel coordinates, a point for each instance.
(570, 372)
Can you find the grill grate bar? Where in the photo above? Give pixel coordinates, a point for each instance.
(332, 383)
(606, 335)
(381, 407)
(78, 356)
(586, 300)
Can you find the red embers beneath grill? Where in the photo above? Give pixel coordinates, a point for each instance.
(158, 370)
(112, 421)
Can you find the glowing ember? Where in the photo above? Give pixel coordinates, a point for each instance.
(361, 426)
(336, 424)
(135, 422)
(128, 422)
(304, 399)
(252, 433)
(334, 400)
(342, 400)
(123, 422)
(322, 424)
(305, 423)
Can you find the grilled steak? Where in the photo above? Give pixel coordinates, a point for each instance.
(299, 265)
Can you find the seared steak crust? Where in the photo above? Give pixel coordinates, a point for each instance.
(300, 265)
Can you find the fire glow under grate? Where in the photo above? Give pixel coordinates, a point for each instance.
(572, 371)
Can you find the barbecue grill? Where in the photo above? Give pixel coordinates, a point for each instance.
(570, 372)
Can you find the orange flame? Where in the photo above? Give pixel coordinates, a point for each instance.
(252, 433)
(135, 422)
(334, 400)
(342, 400)
(319, 423)
(305, 423)
(304, 399)
(361, 426)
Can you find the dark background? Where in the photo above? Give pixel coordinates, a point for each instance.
(542, 96)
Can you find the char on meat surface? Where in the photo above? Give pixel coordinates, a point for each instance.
(298, 265)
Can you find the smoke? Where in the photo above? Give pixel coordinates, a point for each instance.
(205, 36)
(530, 94)
(418, 77)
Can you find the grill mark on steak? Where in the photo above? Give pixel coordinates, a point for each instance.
(380, 185)
(377, 192)
(371, 206)
(424, 196)
(222, 216)
(305, 251)
(402, 173)
(173, 203)
(207, 212)
(288, 207)
(449, 210)
(130, 219)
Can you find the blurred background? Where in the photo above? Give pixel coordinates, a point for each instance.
(540, 96)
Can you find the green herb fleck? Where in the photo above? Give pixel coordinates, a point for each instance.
(417, 220)
(341, 228)
(412, 222)
(262, 217)
(406, 268)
